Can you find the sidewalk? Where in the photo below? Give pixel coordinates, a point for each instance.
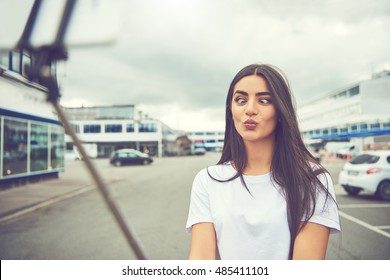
(20, 200)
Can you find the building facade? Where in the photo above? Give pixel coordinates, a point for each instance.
(31, 137)
(121, 126)
(357, 110)
(210, 140)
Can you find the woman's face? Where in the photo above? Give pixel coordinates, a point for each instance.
(253, 112)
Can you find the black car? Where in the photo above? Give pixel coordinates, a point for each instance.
(129, 156)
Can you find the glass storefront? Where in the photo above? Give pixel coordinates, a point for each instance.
(14, 147)
(18, 159)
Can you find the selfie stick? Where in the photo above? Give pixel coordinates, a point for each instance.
(41, 72)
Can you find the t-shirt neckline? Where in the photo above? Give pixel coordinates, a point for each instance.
(250, 178)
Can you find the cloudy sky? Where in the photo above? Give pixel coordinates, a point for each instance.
(175, 59)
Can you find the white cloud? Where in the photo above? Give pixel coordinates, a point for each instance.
(177, 58)
(178, 118)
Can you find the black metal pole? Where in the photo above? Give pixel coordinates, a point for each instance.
(24, 41)
(135, 245)
(41, 71)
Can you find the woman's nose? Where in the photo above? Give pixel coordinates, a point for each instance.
(251, 108)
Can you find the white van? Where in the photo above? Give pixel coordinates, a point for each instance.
(334, 147)
(91, 150)
(350, 150)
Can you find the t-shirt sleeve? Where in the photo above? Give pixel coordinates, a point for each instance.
(326, 210)
(199, 210)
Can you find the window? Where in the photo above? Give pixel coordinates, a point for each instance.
(123, 155)
(39, 147)
(4, 59)
(354, 127)
(113, 128)
(147, 127)
(366, 158)
(342, 94)
(57, 147)
(333, 130)
(363, 127)
(375, 126)
(354, 91)
(15, 147)
(130, 127)
(344, 130)
(26, 60)
(16, 62)
(76, 128)
(386, 125)
(325, 131)
(92, 128)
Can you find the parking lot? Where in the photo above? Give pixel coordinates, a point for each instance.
(365, 222)
(154, 200)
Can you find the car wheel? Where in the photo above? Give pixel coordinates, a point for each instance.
(383, 190)
(117, 163)
(145, 162)
(352, 191)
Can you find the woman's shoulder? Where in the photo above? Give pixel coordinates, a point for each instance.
(318, 169)
(221, 171)
(322, 175)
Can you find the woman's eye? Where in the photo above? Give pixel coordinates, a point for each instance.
(264, 100)
(240, 100)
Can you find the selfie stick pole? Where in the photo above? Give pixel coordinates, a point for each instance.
(41, 71)
(130, 236)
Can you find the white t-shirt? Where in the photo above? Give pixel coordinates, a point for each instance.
(251, 225)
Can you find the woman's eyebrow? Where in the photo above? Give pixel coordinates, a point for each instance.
(257, 93)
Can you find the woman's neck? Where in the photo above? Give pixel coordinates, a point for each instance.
(259, 157)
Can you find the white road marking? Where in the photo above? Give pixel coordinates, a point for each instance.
(344, 206)
(364, 224)
(383, 227)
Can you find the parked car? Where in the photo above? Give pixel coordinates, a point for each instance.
(71, 155)
(369, 171)
(351, 150)
(198, 151)
(315, 153)
(129, 156)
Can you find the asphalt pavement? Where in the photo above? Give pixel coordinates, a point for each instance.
(20, 200)
(151, 190)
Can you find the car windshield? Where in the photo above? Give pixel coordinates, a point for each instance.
(361, 159)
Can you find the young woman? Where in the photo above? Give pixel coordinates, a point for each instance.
(267, 197)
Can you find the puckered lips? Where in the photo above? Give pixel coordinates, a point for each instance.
(250, 124)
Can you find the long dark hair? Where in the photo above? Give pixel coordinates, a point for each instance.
(291, 163)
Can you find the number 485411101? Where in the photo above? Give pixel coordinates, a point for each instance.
(230, 270)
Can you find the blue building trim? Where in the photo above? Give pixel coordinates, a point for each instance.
(6, 181)
(9, 113)
(344, 136)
